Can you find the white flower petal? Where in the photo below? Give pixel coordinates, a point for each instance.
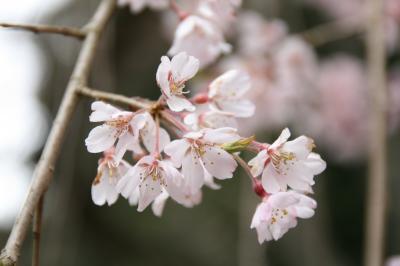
(102, 111)
(257, 163)
(100, 138)
(159, 203)
(163, 72)
(193, 171)
(221, 135)
(184, 67)
(178, 104)
(270, 180)
(149, 189)
(177, 150)
(218, 162)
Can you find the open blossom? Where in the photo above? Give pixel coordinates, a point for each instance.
(139, 5)
(200, 38)
(118, 125)
(226, 93)
(151, 176)
(108, 175)
(171, 77)
(278, 213)
(199, 155)
(288, 163)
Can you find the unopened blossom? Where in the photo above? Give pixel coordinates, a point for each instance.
(278, 213)
(151, 176)
(200, 155)
(227, 94)
(108, 175)
(139, 5)
(200, 38)
(118, 125)
(287, 163)
(171, 77)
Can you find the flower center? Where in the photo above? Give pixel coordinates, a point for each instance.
(282, 160)
(121, 124)
(278, 214)
(176, 87)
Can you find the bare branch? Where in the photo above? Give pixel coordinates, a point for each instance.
(333, 31)
(37, 226)
(112, 97)
(44, 170)
(377, 176)
(35, 28)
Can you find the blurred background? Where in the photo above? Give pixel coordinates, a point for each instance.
(332, 108)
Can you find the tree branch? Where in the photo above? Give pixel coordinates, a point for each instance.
(37, 226)
(377, 176)
(333, 31)
(44, 170)
(112, 97)
(67, 31)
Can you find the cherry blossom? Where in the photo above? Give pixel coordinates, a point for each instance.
(171, 77)
(138, 5)
(226, 94)
(278, 213)
(287, 163)
(118, 125)
(199, 155)
(151, 176)
(200, 38)
(103, 186)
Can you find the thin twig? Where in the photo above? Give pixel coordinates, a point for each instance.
(112, 97)
(334, 31)
(66, 31)
(37, 226)
(44, 170)
(245, 167)
(377, 176)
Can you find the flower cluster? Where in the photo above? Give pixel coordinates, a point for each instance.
(202, 25)
(203, 150)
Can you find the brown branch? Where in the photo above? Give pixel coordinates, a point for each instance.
(37, 226)
(112, 97)
(377, 176)
(44, 170)
(334, 31)
(67, 31)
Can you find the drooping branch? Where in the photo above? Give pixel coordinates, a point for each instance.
(44, 170)
(377, 176)
(112, 97)
(67, 31)
(37, 229)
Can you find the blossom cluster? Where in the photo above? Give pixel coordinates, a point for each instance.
(179, 169)
(326, 98)
(201, 28)
(179, 144)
